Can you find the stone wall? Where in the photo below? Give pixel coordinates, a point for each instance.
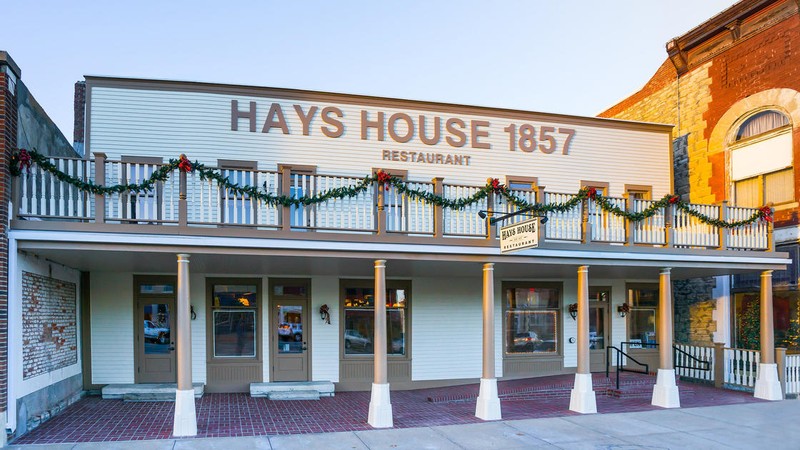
(49, 324)
(694, 308)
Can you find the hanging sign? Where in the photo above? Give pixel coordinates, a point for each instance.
(519, 236)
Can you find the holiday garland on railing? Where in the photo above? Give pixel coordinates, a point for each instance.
(23, 159)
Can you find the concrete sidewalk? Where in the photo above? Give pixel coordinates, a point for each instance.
(771, 425)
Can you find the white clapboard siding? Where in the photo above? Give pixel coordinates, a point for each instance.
(169, 122)
(111, 306)
(325, 338)
(452, 348)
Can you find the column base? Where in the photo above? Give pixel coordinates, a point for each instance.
(768, 387)
(665, 391)
(488, 406)
(185, 423)
(582, 399)
(380, 407)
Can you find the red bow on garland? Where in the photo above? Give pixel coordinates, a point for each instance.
(674, 199)
(184, 164)
(496, 186)
(766, 213)
(25, 161)
(592, 193)
(384, 179)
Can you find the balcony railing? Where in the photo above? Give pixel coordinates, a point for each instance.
(184, 199)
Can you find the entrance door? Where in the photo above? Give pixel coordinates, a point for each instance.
(155, 339)
(598, 336)
(291, 332)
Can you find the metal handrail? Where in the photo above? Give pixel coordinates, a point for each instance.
(620, 368)
(691, 357)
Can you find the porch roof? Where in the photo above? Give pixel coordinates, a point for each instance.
(334, 255)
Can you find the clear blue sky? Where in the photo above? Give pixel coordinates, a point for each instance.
(564, 56)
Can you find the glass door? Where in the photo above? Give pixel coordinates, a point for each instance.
(156, 340)
(290, 331)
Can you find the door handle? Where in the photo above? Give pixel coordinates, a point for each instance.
(172, 346)
(305, 346)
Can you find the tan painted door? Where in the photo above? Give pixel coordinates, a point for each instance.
(290, 335)
(155, 340)
(599, 335)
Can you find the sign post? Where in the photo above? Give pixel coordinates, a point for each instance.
(519, 236)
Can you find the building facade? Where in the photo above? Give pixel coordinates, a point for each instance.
(330, 238)
(730, 88)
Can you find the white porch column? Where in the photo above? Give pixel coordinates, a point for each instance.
(768, 387)
(488, 406)
(380, 405)
(582, 398)
(185, 423)
(665, 392)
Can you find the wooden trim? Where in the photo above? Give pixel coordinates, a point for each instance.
(235, 164)
(307, 324)
(532, 181)
(602, 186)
(138, 350)
(560, 318)
(141, 159)
(640, 188)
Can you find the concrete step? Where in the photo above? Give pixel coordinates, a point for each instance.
(293, 395)
(147, 392)
(324, 388)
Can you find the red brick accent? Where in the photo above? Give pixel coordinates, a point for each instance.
(8, 142)
(49, 324)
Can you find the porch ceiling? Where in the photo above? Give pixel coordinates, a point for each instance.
(142, 254)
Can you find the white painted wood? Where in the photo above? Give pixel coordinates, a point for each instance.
(151, 122)
(792, 374)
(325, 337)
(448, 348)
(111, 306)
(197, 297)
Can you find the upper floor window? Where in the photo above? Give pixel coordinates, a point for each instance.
(761, 160)
(761, 123)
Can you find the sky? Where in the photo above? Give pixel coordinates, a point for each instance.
(574, 57)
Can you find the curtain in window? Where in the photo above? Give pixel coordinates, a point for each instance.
(761, 123)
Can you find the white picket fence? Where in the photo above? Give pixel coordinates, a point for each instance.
(741, 367)
(688, 362)
(792, 374)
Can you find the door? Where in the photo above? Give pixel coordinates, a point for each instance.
(155, 339)
(598, 336)
(290, 335)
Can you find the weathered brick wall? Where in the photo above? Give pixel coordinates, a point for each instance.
(694, 307)
(49, 324)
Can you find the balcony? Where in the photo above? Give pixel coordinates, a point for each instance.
(399, 211)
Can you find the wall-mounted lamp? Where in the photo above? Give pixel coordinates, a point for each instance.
(623, 309)
(573, 310)
(324, 314)
(493, 220)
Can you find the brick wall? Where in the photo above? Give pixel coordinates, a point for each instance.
(49, 324)
(8, 142)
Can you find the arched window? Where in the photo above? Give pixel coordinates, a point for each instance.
(761, 160)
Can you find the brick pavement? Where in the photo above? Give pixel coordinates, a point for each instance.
(227, 415)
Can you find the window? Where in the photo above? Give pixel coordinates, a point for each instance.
(394, 203)
(359, 317)
(301, 183)
(146, 204)
(761, 160)
(238, 208)
(531, 318)
(602, 187)
(642, 318)
(234, 310)
(639, 192)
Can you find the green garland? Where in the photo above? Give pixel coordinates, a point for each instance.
(22, 161)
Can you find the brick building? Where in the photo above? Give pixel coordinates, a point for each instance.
(731, 88)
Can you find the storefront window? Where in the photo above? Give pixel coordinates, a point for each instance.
(359, 320)
(531, 320)
(234, 310)
(643, 301)
(786, 320)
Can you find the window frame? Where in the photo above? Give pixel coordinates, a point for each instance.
(232, 165)
(403, 175)
(291, 170)
(655, 309)
(370, 283)
(559, 321)
(761, 182)
(156, 196)
(258, 311)
(645, 190)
